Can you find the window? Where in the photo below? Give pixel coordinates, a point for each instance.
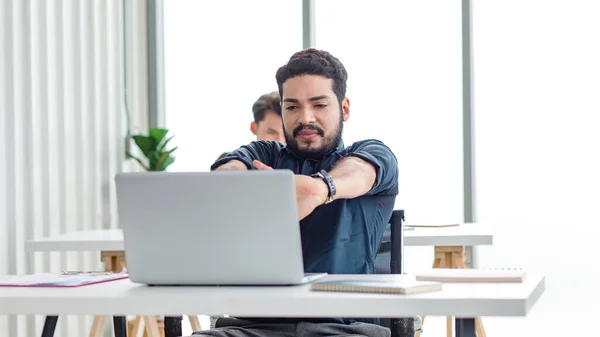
(220, 56)
(537, 79)
(404, 84)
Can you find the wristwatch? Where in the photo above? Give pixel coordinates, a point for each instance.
(329, 181)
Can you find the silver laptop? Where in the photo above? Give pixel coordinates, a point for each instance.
(211, 228)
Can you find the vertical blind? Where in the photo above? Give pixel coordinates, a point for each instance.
(63, 127)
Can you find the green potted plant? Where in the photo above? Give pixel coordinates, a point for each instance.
(154, 148)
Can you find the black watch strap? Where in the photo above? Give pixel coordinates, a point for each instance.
(329, 181)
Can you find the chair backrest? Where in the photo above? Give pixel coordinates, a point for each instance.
(389, 260)
(390, 257)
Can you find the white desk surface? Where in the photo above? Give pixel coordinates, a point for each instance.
(466, 234)
(471, 234)
(124, 297)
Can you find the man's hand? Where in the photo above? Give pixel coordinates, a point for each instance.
(310, 192)
(260, 166)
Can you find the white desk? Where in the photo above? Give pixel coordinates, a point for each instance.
(448, 243)
(467, 234)
(88, 240)
(124, 297)
(471, 234)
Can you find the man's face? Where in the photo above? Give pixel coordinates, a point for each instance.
(312, 119)
(270, 128)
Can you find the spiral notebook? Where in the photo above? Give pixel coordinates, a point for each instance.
(472, 275)
(401, 286)
(431, 225)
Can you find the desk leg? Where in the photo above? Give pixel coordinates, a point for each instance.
(120, 326)
(173, 326)
(49, 326)
(465, 327)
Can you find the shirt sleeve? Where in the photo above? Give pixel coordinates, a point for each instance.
(263, 151)
(385, 163)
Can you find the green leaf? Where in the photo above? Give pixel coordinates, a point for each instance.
(158, 163)
(145, 143)
(154, 149)
(165, 163)
(129, 155)
(161, 147)
(158, 134)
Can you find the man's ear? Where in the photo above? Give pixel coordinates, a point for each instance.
(345, 109)
(253, 127)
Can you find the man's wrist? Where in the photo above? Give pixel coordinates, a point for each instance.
(232, 165)
(323, 195)
(327, 180)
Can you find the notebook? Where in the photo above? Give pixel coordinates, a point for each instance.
(400, 286)
(64, 280)
(471, 275)
(431, 225)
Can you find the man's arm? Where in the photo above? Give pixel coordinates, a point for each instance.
(369, 167)
(232, 165)
(241, 159)
(352, 177)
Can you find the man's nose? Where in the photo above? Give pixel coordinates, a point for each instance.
(307, 116)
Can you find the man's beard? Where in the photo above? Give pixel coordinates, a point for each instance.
(329, 143)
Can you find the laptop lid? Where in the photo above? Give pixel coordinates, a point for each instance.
(210, 227)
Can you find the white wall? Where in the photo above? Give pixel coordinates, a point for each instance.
(62, 129)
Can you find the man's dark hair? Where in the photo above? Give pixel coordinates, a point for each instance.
(266, 102)
(315, 62)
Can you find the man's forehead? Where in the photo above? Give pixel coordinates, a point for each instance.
(306, 87)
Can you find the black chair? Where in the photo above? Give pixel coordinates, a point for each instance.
(389, 260)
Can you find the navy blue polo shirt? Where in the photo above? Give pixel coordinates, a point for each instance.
(343, 236)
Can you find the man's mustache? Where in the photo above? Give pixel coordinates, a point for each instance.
(299, 128)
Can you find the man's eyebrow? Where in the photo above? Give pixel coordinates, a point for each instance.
(316, 98)
(312, 99)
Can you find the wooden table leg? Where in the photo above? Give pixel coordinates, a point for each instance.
(195, 323)
(453, 257)
(151, 326)
(479, 327)
(113, 261)
(437, 262)
(138, 327)
(97, 326)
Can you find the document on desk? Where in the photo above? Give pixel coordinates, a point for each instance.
(402, 286)
(472, 275)
(408, 225)
(64, 280)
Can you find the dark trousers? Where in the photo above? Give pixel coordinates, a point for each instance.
(232, 327)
